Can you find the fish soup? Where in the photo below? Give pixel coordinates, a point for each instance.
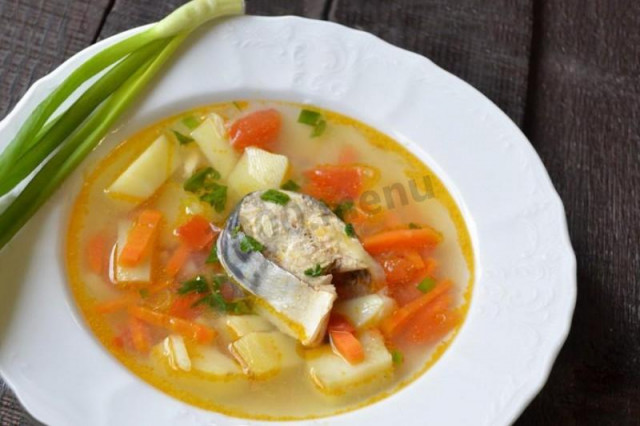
(269, 260)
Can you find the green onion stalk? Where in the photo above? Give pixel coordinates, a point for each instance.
(58, 144)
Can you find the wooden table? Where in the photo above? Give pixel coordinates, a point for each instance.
(566, 71)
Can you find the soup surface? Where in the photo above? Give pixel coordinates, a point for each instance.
(271, 314)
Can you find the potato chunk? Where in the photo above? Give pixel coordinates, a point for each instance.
(257, 169)
(211, 361)
(265, 354)
(213, 142)
(333, 375)
(366, 311)
(172, 353)
(147, 173)
(241, 325)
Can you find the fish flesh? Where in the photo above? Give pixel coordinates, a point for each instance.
(303, 244)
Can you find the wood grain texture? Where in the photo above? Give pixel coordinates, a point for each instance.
(584, 121)
(36, 36)
(126, 14)
(485, 43)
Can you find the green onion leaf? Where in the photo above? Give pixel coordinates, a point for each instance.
(349, 230)
(308, 117)
(235, 231)
(200, 179)
(316, 271)
(218, 280)
(197, 285)
(144, 293)
(131, 64)
(397, 357)
(319, 129)
(216, 195)
(182, 139)
(275, 196)
(413, 226)
(290, 186)
(426, 285)
(191, 122)
(213, 255)
(249, 244)
(343, 208)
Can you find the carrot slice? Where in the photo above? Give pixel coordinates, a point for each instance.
(260, 129)
(338, 322)
(196, 233)
(139, 335)
(141, 238)
(395, 322)
(177, 260)
(347, 346)
(182, 306)
(401, 239)
(198, 332)
(115, 305)
(433, 321)
(96, 253)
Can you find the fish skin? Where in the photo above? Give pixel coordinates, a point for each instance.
(296, 237)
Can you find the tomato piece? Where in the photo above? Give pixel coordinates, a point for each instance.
(401, 266)
(335, 183)
(260, 129)
(197, 233)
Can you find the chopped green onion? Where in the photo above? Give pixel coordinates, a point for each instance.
(197, 285)
(182, 139)
(308, 117)
(343, 208)
(349, 230)
(213, 255)
(275, 196)
(219, 279)
(200, 179)
(191, 122)
(131, 64)
(319, 129)
(235, 231)
(290, 185)
(144, 293)
(249, 244)
(216, 195)
(397, 357)
(237, 105)
(316, 271)
(413, 226)
(426, 285)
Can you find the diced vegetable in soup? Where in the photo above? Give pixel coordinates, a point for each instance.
(269, 260)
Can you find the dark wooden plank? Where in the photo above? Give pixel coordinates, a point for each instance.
(584, 121)
(35, 37)
(485, 43)
(127, 14)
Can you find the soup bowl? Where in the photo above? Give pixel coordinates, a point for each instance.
(525, 281)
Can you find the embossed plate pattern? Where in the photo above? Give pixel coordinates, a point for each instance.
(526, 283)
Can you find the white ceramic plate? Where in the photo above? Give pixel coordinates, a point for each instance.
(526, 283)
